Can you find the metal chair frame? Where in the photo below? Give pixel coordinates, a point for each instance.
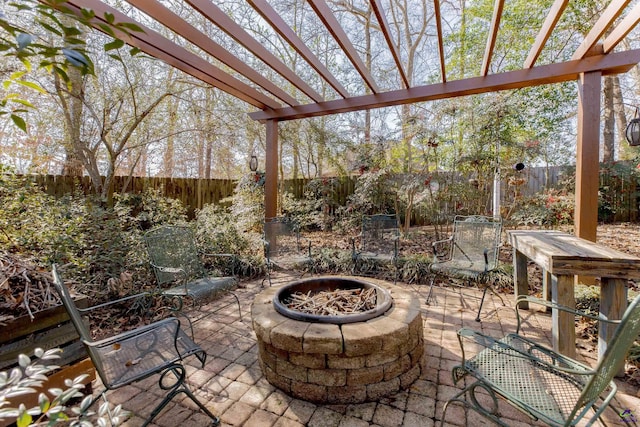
(175, 260)
(537, 380)
(284, 247)
(379, 241)
(469, 253)
(131, 356)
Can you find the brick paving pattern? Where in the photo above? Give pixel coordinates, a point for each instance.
(233, 386)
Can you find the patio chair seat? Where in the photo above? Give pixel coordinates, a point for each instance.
(544, 384)
(179, 269)
(548, 393)
(289, 262)
(159, 348)
(377, 256)
(470, 252)
(204, 289)
(462, 269)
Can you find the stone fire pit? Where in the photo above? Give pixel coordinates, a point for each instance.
(340, 363)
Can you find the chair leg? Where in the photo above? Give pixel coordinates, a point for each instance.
(238, 301)
(429, 297)
(484, 293)
(174, 389)
(470, 401)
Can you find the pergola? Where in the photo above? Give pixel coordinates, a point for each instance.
(593, 59)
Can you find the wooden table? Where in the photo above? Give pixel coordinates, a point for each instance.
(563, 256)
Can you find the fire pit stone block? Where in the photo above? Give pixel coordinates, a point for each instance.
(341, 364)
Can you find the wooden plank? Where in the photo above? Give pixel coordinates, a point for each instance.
(520, 277)
(612, 63)
(45, 339)
(24, 325)
(562, 253)
(613, 303)
(563, 329)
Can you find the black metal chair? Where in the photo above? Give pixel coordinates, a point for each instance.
(468, 254)
(158, 348)
(175, 260)
(379, 244)
(285, 249)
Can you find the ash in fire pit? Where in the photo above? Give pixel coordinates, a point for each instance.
(336, 300)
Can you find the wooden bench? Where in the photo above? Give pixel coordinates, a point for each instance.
(562, 256)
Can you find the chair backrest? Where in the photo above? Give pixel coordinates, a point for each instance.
(614, 357)
(70, 306)
(472, 235)
(380, 233)
(76, 319)
(283, 237)
(174, 246)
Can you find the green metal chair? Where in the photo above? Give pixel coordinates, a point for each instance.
(176, 261)
(131, 356)
(379, 243)
(545, 385)
(469, 253)
(284, 248)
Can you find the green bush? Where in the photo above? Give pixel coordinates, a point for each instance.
(23, 379)
(550, 208)
(217, 232)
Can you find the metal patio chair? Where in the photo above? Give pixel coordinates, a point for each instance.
(468, 254)
(379, 239)
(542, 383)
(284, 248)
(120, 360)
(176, 261)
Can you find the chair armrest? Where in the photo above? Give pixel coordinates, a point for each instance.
(523, 299)
(556, 361)
(439, 243)
(170, 270)
(108, 303)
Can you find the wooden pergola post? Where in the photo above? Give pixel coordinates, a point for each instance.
(588, 155)
(588, 159)
(271, 170)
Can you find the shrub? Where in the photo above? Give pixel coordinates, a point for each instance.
(217, 232)
(23, 379)
(550, 208)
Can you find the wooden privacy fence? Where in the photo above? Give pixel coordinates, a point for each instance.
(619, 192)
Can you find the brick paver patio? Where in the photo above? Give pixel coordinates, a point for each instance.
(232, 384)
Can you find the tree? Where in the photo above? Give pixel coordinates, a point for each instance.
(64, 52)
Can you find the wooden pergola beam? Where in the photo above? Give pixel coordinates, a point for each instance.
(159, 47)
(491, 38)
(556, 11)
(286, 32)
(217, 16)
(438, 15)
(622, 29)
(600, 27)
(386, 32)
(335, 29)
(160, 13)
(612, 63)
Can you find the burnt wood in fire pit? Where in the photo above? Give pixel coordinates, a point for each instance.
(312, 286)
